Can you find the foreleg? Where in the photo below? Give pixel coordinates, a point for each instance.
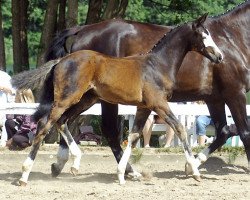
(165, 113)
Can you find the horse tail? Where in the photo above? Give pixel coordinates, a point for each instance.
(57, 48)
(41, 77)
(32, 79)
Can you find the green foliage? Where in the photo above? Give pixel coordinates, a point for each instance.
(172, 12)
(136, 155)
(165, 12)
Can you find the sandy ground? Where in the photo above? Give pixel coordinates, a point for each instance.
(97, 178)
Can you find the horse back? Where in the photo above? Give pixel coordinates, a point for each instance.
(118, 37)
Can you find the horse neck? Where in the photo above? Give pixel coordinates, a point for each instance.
(171, 50)
(237, 17)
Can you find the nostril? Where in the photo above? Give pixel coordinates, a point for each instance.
(220, 58)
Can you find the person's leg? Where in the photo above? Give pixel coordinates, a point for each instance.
(10, 128)
(169, 137)
(202, 122)
(20, 141)
(147, 130)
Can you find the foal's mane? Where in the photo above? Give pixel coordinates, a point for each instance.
(167, 34)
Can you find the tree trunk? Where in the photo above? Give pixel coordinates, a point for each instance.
(61, 24)
(2, 49)
(94, 11)
(48, 29)
(16, 37)
(115, 9)
(72, 13)
(23, 34)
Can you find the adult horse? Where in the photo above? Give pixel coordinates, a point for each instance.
(82, 78)
(217, 85)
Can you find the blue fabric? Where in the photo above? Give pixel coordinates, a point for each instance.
(202, 122)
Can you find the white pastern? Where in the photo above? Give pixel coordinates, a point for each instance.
(26, 168)
(193, 164)
(202, 157)
(76, 153)
(123, 163)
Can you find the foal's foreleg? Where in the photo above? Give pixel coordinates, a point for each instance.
(179, 130)
(140, 120)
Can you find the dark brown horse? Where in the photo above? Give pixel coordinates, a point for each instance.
(217, 85)
(82, 78)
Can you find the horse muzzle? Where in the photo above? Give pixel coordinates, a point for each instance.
(214, 55)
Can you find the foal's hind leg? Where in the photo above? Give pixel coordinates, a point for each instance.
(63, 152)
(165, 113)
(58, 108)
(44, 126)
(140, 120)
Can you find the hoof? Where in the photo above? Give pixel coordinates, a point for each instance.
(197, 178)
(22, 183)
(55, 171)
(134, 175)
(122, 182)
(74, 171)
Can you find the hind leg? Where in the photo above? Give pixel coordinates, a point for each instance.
(59, 106)
(67, 143)
(140, 120)
(44, 126)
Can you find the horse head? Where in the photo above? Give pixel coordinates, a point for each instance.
(203, 42)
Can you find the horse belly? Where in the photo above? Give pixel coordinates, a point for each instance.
(122, 95)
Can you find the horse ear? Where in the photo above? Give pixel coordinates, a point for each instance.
(199, 21)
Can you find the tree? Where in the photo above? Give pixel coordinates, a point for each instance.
(48, 29)
(23, 34)
(16, 29)
(61, 23)
(2, 48)
(112, 9)
(19, 34)
(72, 13)
(94, 11)
(115, 9)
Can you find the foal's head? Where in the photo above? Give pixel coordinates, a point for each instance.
(202, 41)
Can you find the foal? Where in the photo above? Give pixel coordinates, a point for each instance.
(84, 77)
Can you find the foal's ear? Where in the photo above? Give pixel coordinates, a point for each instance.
(199, 21)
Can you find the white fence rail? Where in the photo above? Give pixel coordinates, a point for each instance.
(185, 112)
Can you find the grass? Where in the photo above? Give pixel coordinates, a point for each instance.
(136, 156)
(231, 152)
